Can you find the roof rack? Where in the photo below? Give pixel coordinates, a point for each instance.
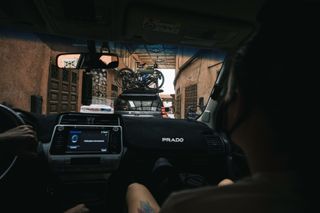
(142, 90)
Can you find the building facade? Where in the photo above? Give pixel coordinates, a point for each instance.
(196, 73)
(29, 61)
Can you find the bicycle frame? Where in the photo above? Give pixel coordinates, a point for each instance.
(142, 78)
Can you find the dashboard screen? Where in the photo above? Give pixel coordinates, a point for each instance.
(87, 141)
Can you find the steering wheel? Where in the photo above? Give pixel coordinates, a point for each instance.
(8, 120)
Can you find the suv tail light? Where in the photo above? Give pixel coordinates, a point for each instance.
(163, 112)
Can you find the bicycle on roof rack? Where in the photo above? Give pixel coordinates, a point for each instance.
(150, 78)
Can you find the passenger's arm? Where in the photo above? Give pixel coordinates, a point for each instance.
(140, 200)
(225, 182)
(80, 208)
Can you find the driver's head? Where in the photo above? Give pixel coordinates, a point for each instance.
(270, 80)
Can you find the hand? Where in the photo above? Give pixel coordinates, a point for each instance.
(20, 140)
(225, 182)
(80, 208)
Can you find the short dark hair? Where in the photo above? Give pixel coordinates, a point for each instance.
(273, 69)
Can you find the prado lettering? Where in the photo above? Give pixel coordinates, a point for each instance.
(173, 140)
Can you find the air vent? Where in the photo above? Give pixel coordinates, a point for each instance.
(89, 119)
(215, 144)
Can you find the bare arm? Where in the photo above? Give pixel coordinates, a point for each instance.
(80, 208)
(20, 140)
(140, 200)
(225, 182)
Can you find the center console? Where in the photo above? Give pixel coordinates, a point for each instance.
(82, 143)
(80, 140)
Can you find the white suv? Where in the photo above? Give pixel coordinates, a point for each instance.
(139, 103)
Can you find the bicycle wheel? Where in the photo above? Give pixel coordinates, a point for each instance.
(124, 77)
(157, 80)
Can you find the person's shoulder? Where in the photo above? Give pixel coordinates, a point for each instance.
(249, 194)
(203, 199)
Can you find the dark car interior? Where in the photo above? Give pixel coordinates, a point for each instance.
(165, 154)
(99, 178)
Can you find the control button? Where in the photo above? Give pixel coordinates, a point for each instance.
(115, 129)
(74, 138)
(60, 128)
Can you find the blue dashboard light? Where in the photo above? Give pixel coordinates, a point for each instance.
(74, 138)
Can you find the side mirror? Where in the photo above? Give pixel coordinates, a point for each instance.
(87, 60)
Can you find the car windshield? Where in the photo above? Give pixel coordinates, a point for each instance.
(32, 81)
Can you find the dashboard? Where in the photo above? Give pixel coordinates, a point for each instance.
(101, 143)
(79, 145)
(81, 154)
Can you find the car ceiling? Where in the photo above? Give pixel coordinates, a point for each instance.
(218, 23)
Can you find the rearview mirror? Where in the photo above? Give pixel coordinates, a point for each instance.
(87, 60)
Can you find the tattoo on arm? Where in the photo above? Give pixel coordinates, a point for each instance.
(145, 207)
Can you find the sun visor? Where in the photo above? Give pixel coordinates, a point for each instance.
(64, 44)
(165, 25)
(79, 19)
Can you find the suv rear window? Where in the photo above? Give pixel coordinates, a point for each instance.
(138, 103)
